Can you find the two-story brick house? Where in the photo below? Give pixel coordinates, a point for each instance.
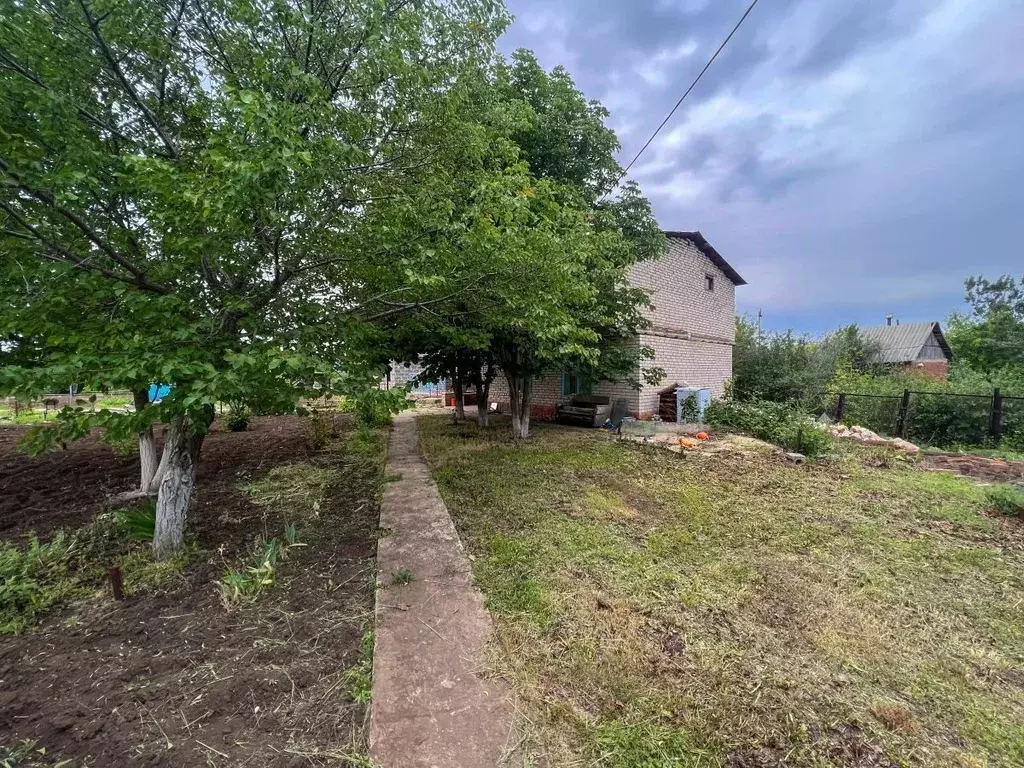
(693, 328)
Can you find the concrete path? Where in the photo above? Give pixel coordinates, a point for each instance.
(432, 704)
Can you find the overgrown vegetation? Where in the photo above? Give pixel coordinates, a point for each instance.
(734, 610)
(778, 423)
(41, 575)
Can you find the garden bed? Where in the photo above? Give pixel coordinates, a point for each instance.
(656, 610)
(180, 674)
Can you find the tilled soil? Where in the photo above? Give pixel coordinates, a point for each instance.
(176, 678)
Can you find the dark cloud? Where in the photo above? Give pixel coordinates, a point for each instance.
(848, 157)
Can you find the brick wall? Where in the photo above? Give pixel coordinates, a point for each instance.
(936, 369)
(694, 363)
(692, 334)
(681, 299)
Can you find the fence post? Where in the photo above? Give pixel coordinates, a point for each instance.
(841, 407)
(995, 422)
(901, 416)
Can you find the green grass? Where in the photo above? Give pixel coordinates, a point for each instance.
(654, 609)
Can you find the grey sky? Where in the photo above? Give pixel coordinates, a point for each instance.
(849, 157)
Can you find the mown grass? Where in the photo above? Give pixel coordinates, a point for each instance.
(656, 609)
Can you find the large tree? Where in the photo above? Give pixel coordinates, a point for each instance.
(209, 193)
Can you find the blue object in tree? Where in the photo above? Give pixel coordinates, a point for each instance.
(158, 392)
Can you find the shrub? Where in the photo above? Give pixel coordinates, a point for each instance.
(774, 422)
(374, 407)
(1006, 498)
(238, 419)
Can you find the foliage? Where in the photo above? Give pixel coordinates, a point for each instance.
(991, 338)
(374, 407)
(238, 418)
(402, 577)
(777, 423)
(137, 524)
(34, 579)
(359, 677)
(1006, 498)
(786, 368)
(190, 196)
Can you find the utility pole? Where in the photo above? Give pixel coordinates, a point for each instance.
(760, 338)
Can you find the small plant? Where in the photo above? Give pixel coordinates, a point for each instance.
(374, 407)
(402, 577)
(358, 677)
(238, 419)
(137, 524)
(260, 571)
(1006, 498)
(320, 430)
(774, 422)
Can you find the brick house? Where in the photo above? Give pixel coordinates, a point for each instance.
(920, 346)
(693, 329)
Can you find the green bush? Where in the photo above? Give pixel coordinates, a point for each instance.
(374, 407)
(774, 422)
(1006, 498)
(238, 419)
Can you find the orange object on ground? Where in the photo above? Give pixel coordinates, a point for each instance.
(688, 442)
(702, 435)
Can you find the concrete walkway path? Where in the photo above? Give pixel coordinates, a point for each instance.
(432, 704)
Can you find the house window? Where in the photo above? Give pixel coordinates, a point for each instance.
(709, 282)
(574, 384)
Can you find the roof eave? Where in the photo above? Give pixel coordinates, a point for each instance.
(709, 250)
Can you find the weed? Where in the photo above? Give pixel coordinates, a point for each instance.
(1007, 499)
(137, 524)
(28, 754)
(320, 431)
(238, 419)
(358, 677)
(259, 571)
(402, 577)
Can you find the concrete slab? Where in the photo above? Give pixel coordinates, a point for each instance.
(433, 704)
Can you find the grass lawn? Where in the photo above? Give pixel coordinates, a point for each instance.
(655, 609)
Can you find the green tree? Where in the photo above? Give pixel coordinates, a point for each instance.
(204, 194)
(991, 337)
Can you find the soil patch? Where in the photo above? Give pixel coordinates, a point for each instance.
(176, 678)
(981, 467)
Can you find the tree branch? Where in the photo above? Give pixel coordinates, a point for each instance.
(115, 67)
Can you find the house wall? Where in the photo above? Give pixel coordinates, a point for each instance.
(692, 333)
(695, 363)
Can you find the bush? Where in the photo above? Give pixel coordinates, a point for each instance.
(1006, 498)
(374, 407)
(774, 422)
(238, 419)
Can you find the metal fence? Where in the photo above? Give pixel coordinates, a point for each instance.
(942, 419)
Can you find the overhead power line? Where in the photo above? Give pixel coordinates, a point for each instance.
(683, 97)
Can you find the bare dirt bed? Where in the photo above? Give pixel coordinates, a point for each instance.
(175, 678)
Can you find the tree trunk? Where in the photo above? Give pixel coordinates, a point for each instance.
(148, 459)
(181, 452)
(483, 392)
(520, 389)
(460, 401)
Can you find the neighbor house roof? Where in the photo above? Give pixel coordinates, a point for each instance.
(903, 343)
(708, 250)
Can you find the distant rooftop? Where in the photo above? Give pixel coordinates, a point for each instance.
(902, 343)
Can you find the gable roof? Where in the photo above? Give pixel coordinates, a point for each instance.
(903, 343)
(708, 250)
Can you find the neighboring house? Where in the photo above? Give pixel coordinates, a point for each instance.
(402, 374)
(910, 345)
(693, 328)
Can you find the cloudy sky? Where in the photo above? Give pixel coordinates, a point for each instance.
(848, 157)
